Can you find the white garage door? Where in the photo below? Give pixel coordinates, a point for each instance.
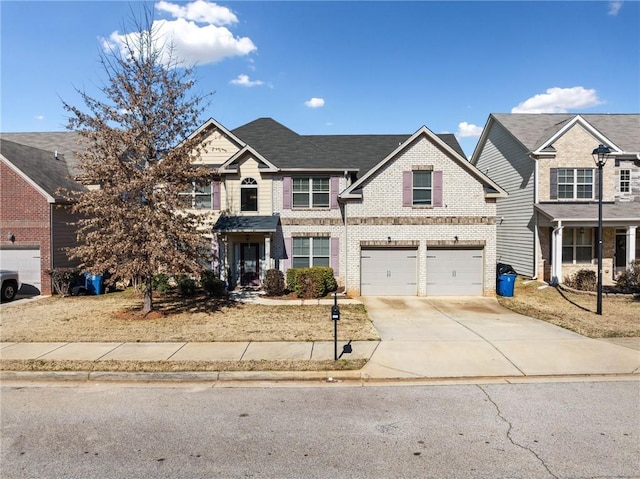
(27, 263)
(455, 272)
(388, 272)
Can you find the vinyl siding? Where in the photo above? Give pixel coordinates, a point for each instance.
(248, 168)
(63, 236)
(218, 149)
(515, 214)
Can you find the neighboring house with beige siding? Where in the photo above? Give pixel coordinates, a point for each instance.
(547, 226)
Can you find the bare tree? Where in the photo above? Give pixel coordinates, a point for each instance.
(140, 150)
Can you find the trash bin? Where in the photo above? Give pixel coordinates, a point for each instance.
(93, 283)
(506, 283)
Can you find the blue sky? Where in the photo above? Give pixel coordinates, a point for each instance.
(340, 67)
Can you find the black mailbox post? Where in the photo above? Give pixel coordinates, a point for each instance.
(335, 317)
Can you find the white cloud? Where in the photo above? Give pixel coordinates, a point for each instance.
(39, 117)
(614, 7)
(243, 80)
(559, 100)
(466, 130)
(315, 103)
(192, 43)
(199, 11)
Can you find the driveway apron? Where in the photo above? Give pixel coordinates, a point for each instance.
(476, 337)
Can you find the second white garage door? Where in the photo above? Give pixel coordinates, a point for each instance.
(388, 272)
(27, 263)
(455, 272)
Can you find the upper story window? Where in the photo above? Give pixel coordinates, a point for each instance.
(198, 197)
(310, 192)
(422, 188)
(249, 195)
(625, 181)
(575, 183)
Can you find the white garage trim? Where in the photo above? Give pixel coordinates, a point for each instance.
(27, 263)
(455, 272)
(388, 272)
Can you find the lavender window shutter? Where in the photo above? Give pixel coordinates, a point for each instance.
(437, 188)
(335, 255)
(287, 254)
(216, 195)
(407, 188)
(286, 193)
(553, 183)
(335, 184)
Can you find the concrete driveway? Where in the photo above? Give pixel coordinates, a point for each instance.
(476, 337)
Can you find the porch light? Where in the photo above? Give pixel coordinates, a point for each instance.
(600, 156)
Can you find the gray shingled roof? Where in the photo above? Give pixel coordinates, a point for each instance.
(64, 142)
(533, 129)
(287, 149)
(589, 211)
(41, 166)
(246, 224)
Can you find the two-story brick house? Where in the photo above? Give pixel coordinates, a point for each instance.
(391, 214)
(547, 226)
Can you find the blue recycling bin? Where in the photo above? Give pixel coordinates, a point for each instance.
(506, 284)
(93, 283)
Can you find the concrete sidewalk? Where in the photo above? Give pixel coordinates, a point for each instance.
(421, 338)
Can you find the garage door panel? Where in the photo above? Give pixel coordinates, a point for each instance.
(388, 272)
(455, 272)
(27, 263)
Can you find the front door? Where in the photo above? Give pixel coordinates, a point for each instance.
(621, 252)
(249, 272)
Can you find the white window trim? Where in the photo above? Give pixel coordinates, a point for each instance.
(310, 192)
(194, 194)
(574, 246)
(421, 188)
(626, 181)
(245, 184)
(574, 184)
(311, 258)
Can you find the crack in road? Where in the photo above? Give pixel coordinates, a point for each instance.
(544, 464)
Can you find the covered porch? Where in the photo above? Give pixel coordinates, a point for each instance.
(246, 246)
(568, 238)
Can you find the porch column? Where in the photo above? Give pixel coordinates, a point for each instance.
(631, 244)
(267, 253)
(556, 249)
(224, 259)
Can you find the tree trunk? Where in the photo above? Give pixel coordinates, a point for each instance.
(147, 306)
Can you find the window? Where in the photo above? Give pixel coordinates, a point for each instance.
(577, 245)
(575, 183)
(310, 251)
(625, 181)
(249, 195)
(310, 192)
(422, 188)
(198, 197)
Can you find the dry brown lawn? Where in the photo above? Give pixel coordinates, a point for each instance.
(113, 317)
(576, 311)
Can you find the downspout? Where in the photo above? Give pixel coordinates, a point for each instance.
(555, 278)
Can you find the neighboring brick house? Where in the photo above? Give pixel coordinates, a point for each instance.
(544, 163)
(35, 222)
(391, 214)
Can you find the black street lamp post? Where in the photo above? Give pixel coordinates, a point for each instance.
(600, 155)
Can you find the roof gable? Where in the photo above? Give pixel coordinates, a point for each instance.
(491, 188)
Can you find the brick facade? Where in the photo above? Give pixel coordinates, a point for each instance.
(25, 213)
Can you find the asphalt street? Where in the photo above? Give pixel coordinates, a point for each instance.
(572, 429)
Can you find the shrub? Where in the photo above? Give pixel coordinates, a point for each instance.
(329, 280)
(62, 279)
(583, 280)
(630, 278)
(186, 285)
(310, 283)
(292, 274)
(273, 282)
(160, 283)
(213, 285)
